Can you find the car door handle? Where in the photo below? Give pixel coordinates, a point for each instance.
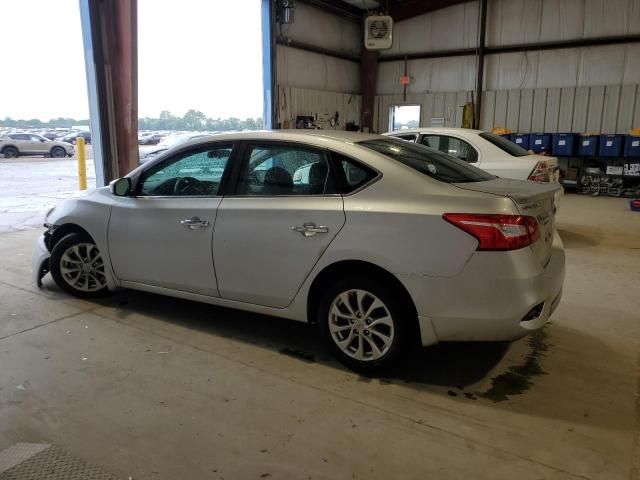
(310, 229)
(194, 223)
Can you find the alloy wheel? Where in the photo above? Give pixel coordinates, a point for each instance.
(82, 267)
(361, 325)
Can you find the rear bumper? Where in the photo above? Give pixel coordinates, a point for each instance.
(490, 298)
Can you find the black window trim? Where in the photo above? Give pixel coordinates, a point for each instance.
(139, 178)
(422, 135)
(242, 156)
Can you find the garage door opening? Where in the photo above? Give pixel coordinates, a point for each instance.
(402, 117)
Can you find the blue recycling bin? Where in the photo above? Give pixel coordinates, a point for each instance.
(631, 146)
(540, 142)
(521, 139)
(563, 144)
(588, 145)
(611, 145)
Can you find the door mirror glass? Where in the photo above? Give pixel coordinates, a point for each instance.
(120, 187)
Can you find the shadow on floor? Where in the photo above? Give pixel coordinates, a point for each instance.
(455, 365)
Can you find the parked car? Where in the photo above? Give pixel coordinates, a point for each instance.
(485, 150)
(20, 144)
(71, 137)
(152, 139)
(147, 152)
(381, 242)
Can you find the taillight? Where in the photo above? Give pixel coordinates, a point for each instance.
(497, 232)
(540, 172)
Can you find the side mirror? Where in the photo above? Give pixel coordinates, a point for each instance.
(120, 187)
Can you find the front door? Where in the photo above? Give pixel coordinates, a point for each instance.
(38, 144)
(162, 236)
(284, 213)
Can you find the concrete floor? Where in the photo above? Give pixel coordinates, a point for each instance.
(157, 388)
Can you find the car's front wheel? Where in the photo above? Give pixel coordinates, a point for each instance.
(78, 267)
(58, 152)
(364, 323)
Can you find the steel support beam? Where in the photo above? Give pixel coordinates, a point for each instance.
(269, 65)
(368, 80)
(412, 8)
(321, 50)
(110, 41)
(480, 63)
(336, 7)
(462, 52)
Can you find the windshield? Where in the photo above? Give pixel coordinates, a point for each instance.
(504, 144)
(432, 163)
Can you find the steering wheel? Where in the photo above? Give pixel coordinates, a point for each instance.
(189, 186)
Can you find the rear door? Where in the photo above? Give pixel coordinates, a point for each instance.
(22, 141)
(454, 146)
(282, 215)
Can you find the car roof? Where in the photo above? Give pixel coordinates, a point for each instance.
(314, 136)
(435, 130)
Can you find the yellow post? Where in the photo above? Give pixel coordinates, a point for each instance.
(82, 163)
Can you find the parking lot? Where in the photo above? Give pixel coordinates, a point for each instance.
(154, 387)
(31, 185)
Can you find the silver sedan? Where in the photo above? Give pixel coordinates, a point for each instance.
(382, 243)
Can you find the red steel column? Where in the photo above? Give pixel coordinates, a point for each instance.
(122, 40)
(368, 77)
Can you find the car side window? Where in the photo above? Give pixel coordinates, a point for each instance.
(452, 146)
(355, 174)
(409, 137)
(432, 141)
(35, 138)
(19, 136)
(192, 173)
(282, 170)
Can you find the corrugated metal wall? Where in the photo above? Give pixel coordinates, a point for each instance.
(315, 84)
(599, 109)
(589, 89)
(322, 105)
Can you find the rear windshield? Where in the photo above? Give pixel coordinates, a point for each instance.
(432, 163)
(504, 144)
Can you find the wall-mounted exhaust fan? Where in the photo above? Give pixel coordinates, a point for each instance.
(378, 32)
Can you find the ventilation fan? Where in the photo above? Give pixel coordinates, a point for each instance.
(378, 32)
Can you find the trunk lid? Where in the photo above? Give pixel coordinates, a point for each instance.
(534, 199)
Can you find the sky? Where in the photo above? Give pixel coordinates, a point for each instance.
(200, 54)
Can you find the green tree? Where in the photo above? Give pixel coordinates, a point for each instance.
(194, 120)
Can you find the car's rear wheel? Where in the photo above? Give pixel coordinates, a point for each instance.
(78, 267)
(364, 323)
(58, 152)
(10, 152)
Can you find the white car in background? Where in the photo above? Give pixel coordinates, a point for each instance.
(488, 151)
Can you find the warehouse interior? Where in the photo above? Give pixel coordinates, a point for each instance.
(137, 385)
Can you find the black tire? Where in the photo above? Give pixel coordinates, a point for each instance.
(57, 263)
(398, 310)
(10, 152)
(58, 152)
